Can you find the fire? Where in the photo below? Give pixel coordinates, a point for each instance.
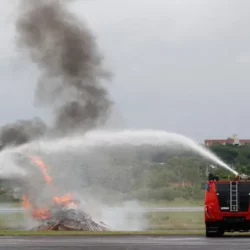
(66, 200)
(44, 213)
(43, 167)
(41, 213)
(37, 213)
(26, 203)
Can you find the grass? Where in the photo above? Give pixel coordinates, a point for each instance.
(179, 202)
(16, 204)
(160, 223)
(176, 221)
(157, 221)
(11, 221)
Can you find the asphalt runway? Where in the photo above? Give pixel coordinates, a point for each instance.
(124, 243)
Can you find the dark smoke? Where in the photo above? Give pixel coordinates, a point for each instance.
(71, 67)
(71, 71)
(21, 132)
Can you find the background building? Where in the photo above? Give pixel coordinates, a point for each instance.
(230, 140)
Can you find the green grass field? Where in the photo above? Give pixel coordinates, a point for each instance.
(176, 221)
(11, 221)
(176, 203)
(157, 221)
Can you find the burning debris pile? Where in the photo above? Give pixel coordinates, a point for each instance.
(74, 219)
(64, 213)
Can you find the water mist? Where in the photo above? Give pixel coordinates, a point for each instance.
(102, 138)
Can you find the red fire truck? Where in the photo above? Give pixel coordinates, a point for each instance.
(227, 205)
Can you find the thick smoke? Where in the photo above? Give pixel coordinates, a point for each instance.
(21, 132)
(71, 68)
(70, 83)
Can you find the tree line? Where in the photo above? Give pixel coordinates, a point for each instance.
(184, 174)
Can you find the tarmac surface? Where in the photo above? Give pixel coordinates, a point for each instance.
(124, 243)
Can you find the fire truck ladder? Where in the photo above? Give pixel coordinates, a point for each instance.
(233, 196)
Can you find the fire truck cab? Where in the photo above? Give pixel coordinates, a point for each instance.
(226, 205)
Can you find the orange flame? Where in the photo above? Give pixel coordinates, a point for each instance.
(44, 213)
(65, 200)
(26, 203)
(41, 213)
(37, 213)
(43, 167)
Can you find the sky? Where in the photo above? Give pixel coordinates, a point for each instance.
(178, 65)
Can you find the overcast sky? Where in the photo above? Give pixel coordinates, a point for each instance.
(182, 66)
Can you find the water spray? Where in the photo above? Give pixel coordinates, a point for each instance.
(104, 139)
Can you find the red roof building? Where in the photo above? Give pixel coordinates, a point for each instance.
(231, 140)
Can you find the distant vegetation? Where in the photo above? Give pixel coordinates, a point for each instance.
(172, 176)
(236, 156)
